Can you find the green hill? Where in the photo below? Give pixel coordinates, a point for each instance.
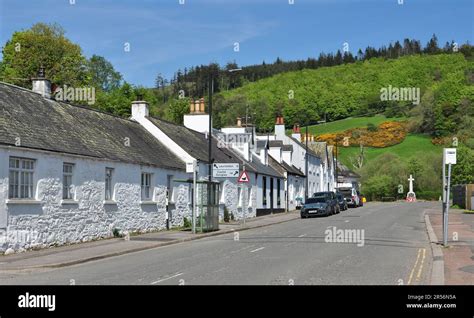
(412, 146)
(347, 90)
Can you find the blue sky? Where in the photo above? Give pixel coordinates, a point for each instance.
(165, 35)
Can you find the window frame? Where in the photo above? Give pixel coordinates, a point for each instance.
(70, 175)
(24, 187)
(146, 194)
(109, 189)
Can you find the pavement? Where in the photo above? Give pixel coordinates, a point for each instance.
(381, 244)
(90, 251)
(458, 257)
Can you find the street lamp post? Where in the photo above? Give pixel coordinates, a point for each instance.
(211, 91)
(306, 164)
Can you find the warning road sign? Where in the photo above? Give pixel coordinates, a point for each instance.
(244, 177)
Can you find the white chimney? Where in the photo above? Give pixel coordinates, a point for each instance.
(296, 132)
(280, 128)
(41, 85)
(140, 108)
(197, 119)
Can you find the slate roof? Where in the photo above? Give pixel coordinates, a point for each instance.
(276, 143)
(344, 171)
(261, 144)
(196, 144)
(284, 167)
(50, 125)
(310, 151)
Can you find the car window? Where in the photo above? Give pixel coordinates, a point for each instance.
(319, 199)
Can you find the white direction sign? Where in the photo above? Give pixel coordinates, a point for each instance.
(449, 156)
(225, 170)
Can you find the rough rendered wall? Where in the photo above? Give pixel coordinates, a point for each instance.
(48, 221)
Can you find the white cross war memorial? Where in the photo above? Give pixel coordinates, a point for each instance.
(411, 196)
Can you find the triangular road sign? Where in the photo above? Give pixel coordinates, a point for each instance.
(244, 177)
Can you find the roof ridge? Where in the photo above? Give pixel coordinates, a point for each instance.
(175, 124)
(68, 103)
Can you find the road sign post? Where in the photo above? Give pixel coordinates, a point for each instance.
(195, 170)
(243, 180)
(449, 158)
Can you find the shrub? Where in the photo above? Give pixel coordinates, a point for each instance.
(186, 223)
(378, 187)
(116, 232)
(428, 195)
(371, 127)
(226, 215)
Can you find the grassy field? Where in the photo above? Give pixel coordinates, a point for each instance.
(411, 146)
(348, 123)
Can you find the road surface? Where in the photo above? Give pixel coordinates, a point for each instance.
(394, 250)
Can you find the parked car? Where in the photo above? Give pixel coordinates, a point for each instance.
(342, 202)
(322, 203)
(351, 197)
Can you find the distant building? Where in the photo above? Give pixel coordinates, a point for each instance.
(346, 178)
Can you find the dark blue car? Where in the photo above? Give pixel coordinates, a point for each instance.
(321, 204)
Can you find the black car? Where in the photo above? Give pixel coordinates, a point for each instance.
(342, 201)
(322, 203)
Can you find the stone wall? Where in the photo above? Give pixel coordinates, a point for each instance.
(48, 221)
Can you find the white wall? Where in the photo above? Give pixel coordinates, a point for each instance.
(48, 221)
(197, 122)
(295, 189)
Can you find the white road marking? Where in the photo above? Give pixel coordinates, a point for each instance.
(162, 280)
(258, 249)
(302, 235)
(243, 248)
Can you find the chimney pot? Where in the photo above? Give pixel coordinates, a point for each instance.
(191, 106)
(41, 72)
(239, 122)
(296, 129)
(202, 105)
(280, 120)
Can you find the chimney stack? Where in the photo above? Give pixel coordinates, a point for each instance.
(296, 129)
(140, 108)
(197, 119)
(296, 132)
(280, 128)
(41, 85)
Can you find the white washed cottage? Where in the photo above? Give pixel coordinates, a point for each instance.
(72, 174)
